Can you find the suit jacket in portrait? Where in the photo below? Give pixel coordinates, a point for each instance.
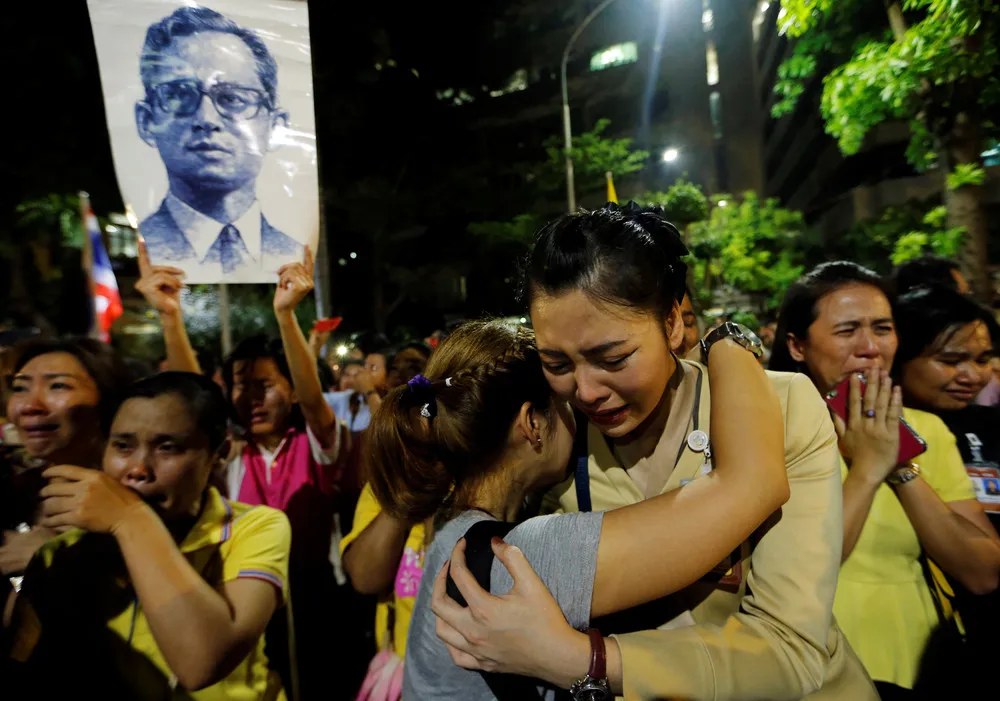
(167, 244)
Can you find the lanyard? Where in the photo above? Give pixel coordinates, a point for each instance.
(582, 471)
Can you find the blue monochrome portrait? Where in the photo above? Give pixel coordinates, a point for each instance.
(211, 110)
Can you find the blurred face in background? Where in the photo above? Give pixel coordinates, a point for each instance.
(376, 364)
(406, 364)
(853, 332)
(950, 373)
(263, 397)
(53, 402)
(348, 377)
(691, 335)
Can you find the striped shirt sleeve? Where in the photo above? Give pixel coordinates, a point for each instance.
(258, 548)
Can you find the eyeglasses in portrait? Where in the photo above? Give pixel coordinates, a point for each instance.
(223, 172)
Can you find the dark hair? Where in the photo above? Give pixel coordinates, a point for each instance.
(930, 316)
(628, 256)
(478, 380)
(926, 270)
(188, 21)
(418, 346)
(103, 364)
(257, 348)
(208, 406)
(799, 307)
(139, 368)
(208, 362)
(326, 377)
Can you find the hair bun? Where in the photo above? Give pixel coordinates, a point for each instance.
(654, 220)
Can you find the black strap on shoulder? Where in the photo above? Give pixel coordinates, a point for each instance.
(581, 464)
(479, 554)
(479, 559)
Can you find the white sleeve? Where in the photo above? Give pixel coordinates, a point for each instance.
(325, 456)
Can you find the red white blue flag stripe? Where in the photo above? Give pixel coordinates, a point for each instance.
(107, 300)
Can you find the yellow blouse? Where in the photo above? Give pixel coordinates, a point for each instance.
(405, 588)
(883, 604)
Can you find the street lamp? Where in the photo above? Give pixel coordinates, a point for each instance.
(670, 155)
(567, 130)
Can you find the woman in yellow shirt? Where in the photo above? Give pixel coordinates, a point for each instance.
(834, 323)
(162, 588)
(386, 560)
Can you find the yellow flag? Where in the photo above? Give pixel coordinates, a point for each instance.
(612, 195)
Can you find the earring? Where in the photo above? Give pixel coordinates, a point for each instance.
(539, 441)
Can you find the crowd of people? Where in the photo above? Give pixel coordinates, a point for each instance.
(612, 501)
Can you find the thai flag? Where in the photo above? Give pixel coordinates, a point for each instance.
(107, 300)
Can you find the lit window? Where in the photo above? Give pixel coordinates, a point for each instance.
(617, 55)
(707, 20)
(712, 59)
(759, 17)
(715, 109)
(991, 156)
(516, 83)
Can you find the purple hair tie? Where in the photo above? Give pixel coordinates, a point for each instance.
(423, 391)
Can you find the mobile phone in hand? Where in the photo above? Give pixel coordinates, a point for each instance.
(910, 443)
(327, 325)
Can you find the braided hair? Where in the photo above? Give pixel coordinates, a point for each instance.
(432, 441)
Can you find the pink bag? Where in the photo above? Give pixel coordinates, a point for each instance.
(384, 680)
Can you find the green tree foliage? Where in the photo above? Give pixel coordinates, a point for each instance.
(41, 254)
(932, 237)
(933, 64)
(751, 245)
(683, 203)
(519, 231)
(594, 154)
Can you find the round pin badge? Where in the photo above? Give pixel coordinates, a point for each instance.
(698, 441)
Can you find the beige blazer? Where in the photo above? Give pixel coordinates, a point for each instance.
(771, 635)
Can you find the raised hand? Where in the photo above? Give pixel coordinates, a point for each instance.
(295, 281)
(161, 285)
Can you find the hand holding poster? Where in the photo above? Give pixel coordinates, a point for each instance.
(209, 108)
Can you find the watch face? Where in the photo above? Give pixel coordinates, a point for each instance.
(592, 690)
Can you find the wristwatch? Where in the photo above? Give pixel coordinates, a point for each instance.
(903, 474)
(594, 686)
(735, 332)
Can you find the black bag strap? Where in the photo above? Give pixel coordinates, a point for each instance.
(936, 594)
(479, 559)
(581, 464)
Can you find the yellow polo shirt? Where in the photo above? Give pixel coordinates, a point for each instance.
(883, 603)
(72, 574)
(404, 594)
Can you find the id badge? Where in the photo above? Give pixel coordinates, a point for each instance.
(986, 482)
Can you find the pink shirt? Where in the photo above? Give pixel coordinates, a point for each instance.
(300, 478)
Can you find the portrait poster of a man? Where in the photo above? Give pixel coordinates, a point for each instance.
(213, 131)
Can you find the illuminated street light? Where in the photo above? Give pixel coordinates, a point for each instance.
(353, 255)
(670, 155)
(723, 203)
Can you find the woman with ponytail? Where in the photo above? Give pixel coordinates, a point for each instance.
(472, 441)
